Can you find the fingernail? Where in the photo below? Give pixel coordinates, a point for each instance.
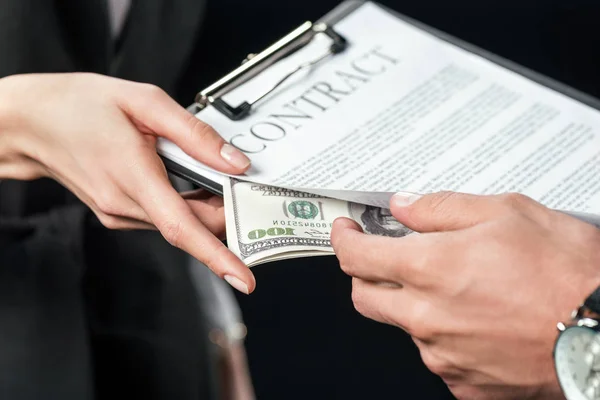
(234, 157)
(236, 283)
(404, 199)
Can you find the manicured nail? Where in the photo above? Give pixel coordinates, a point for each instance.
(236, 283)
(404, 199)
(234, 157)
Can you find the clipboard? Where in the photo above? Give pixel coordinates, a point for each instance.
(300, 37)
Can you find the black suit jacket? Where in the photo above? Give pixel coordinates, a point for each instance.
(83, 309)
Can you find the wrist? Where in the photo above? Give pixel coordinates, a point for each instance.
(17, 159)
(9, 119)
(577, 346)
(578, 288)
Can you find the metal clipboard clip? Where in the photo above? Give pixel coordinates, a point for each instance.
(254, 64)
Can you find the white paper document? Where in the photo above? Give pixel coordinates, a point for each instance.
(401, 110)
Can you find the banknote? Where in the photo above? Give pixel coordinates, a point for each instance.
(266, 223)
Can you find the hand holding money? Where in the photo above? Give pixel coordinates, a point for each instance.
(266, 223)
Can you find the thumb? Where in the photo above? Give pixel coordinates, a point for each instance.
(154, 112)
(447, 211)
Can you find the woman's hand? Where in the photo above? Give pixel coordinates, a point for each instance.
(97, 136)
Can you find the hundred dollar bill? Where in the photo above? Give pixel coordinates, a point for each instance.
(266, 223)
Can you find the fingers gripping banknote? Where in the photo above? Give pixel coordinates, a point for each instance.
(266, 223)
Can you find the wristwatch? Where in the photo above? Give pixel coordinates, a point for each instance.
(577, 352)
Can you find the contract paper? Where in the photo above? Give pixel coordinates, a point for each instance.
(401, 110)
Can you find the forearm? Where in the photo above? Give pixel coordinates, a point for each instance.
(16, 150)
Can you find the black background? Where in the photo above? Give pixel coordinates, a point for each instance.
(305, 340)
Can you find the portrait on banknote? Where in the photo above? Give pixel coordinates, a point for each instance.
(377, 221)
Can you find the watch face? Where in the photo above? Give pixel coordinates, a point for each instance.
(577, 359)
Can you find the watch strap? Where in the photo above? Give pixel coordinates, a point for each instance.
(593, 301)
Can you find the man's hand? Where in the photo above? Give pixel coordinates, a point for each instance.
(97, 136)
(480, 290)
